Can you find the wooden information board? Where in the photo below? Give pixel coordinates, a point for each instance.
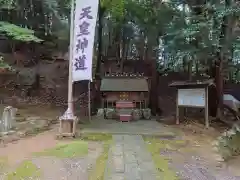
(191, 97)
(196, 98)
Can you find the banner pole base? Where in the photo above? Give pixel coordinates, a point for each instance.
(68, 123)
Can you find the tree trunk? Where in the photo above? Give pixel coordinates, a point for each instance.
(127, 50)
(154, 88)
(154, 78)
(226, 31)
(190, 63)
(100, 29)
(197, 67)
(122, 59)
(141, 48)
(97, 98)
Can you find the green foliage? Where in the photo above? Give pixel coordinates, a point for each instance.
(155, 146)
(18, 33)
(190, 33)
(228, 143)
(96, 137)
(3, 164)
(99, 170)
(7, 4)
(71, 150)
(199, 36)
(26, 170)
(3, 64)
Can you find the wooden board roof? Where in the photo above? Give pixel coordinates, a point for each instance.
(205, 83)
(124, 84)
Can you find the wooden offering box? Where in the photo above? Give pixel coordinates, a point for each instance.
(124, 104)
(125, 117)
(124, 109)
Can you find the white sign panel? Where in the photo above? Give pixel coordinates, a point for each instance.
(83, 39)
(191, 97)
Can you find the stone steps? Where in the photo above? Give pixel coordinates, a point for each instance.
(128, 159)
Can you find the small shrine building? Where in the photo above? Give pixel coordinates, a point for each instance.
(124, 92)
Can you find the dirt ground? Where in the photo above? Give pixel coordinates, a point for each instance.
(51, 167)
(199, 144)
(18, 154)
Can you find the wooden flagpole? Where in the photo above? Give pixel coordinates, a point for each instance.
(70, 79)
(68, 116)
(89, 100)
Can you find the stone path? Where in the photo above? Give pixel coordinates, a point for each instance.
(144, 127)
(129, 160)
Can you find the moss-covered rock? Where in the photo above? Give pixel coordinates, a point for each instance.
(136, 114)
(110, 113)
(228, 144)
(147, 113)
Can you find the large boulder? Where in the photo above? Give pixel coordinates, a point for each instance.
(110, 113)
(147, 113)
(100, 112)
(228, 144)
(136, 114)
(27, 76)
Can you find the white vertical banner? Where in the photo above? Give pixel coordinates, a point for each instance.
(83, 40)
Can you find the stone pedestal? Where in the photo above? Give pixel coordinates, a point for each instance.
(68, 124)
(68, 127)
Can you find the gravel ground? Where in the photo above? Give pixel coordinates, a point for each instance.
(192, 167)
(51, 168)
(68, 169)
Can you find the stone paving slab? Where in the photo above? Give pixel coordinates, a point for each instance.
(129, 160)
(141, 127)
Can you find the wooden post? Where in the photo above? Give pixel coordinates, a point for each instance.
(206, 108)
(102, 103)
(69, 114)
(89, 100)
(74, 126)
(60, 127)
(177, 109)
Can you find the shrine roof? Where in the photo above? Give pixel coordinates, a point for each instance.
(199, 83)
(124, 84)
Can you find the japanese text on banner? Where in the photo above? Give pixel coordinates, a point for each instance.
(85, 23)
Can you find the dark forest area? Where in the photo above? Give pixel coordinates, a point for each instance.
(191, 39)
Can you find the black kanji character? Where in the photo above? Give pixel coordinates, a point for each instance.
(81, 45)
(80, 63)
(86, 13)
(84, 29)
